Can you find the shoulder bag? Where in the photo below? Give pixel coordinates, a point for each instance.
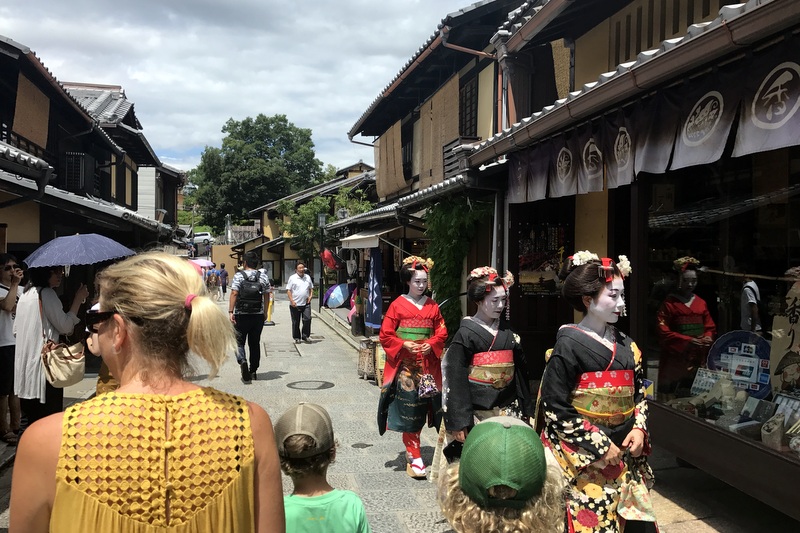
(63, 365)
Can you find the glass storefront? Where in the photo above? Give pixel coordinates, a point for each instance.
(723, 295)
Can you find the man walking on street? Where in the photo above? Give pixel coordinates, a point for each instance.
(247, 308)
(300, 289)
(223, 279)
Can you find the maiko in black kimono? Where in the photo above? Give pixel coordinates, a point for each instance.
(481, 372)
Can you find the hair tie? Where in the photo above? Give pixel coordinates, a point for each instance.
(187, 303)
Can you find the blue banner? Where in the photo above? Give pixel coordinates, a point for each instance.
(373, 315)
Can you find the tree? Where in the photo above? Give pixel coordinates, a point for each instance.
(261, 160)
(301, 223)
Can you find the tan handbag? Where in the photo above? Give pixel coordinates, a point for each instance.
(634, 498)
(63, 365)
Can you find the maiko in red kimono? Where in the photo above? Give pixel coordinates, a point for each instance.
(678, 323)
(404, 321)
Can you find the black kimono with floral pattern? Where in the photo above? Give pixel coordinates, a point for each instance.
(575, 439)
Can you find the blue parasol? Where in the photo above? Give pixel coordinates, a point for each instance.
(81, 249)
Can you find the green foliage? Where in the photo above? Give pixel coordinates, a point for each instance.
(261, 160)
(451, 226)
(352, 200)
(302, 221)
(302, 224)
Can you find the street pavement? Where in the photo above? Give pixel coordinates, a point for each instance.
(324, 371)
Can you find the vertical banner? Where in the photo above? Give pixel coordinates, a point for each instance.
(518, 177)
(656, 120)
(538, 171)
(563, 172)
(709, 109)
(770, 117)
(590, 170)
(618, 143)
(373, 315)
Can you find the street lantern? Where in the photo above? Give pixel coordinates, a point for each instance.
(322, 218)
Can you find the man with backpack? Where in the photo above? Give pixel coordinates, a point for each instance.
(247, 308)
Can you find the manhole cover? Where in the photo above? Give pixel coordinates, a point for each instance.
(310, 385)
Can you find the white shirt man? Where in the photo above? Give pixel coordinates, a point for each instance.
(300, 290)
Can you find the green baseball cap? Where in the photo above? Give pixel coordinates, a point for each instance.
(502, 451)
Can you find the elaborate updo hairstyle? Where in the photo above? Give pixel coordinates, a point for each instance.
(412, 263)
(481, 281)
(586, 275)
(164, 302)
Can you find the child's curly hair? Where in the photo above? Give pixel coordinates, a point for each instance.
(309, 466)
(542, 514)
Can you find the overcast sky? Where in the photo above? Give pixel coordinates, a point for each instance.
(189, 65)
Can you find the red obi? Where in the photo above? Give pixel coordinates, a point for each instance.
(606, 379)
(493, 358)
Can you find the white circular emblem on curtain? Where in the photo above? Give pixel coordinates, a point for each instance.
(592, 159)
(778, 97)
(703, 119)
(622, 149)
(564, 164)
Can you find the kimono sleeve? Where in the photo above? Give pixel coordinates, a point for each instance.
(640, 397)
(439, 336)
(392, 344)
(672, 341)
(523, 383)
(457, 396)
(583, 442)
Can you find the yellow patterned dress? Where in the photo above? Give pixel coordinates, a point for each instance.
(143, 463)
(592, 394)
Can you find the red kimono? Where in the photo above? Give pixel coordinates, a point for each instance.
(678, 324)
(403, 315)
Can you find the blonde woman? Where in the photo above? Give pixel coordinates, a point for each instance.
(160, 453)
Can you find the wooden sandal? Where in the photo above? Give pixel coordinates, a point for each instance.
(10, 438)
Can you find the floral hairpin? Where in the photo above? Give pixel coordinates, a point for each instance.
(583, 257)
(413, 260)
(486, 271)
(682, 263)
(624, 266)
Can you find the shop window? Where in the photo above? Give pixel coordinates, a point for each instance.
(723, 332)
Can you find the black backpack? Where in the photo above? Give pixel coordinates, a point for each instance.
(250, 299)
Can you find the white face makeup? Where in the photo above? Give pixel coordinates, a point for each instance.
(492, 305)
(609, 304)
(418, 284)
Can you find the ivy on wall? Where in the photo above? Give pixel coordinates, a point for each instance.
(451, 226)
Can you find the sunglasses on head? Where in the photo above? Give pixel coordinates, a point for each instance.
(94, 318)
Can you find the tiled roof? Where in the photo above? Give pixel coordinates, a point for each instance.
(319, 189)
(380, 213)
(15, 155)
(726, 15)
(434, 191)
(106, 103)
(450, 20)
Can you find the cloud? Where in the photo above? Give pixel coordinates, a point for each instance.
(190, 65)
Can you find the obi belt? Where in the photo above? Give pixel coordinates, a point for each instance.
(494, 368)
(605, 397)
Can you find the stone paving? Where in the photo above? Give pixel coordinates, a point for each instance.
(324, 372)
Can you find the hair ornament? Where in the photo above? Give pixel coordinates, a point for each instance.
(583, 257)
(682, 263)
(624, 266)
(187, 303)
(494, 277)
(413, 260)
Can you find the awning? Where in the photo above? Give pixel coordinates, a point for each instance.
(269, 244)
(368, 238)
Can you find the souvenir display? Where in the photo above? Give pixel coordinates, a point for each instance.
(745, 357)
